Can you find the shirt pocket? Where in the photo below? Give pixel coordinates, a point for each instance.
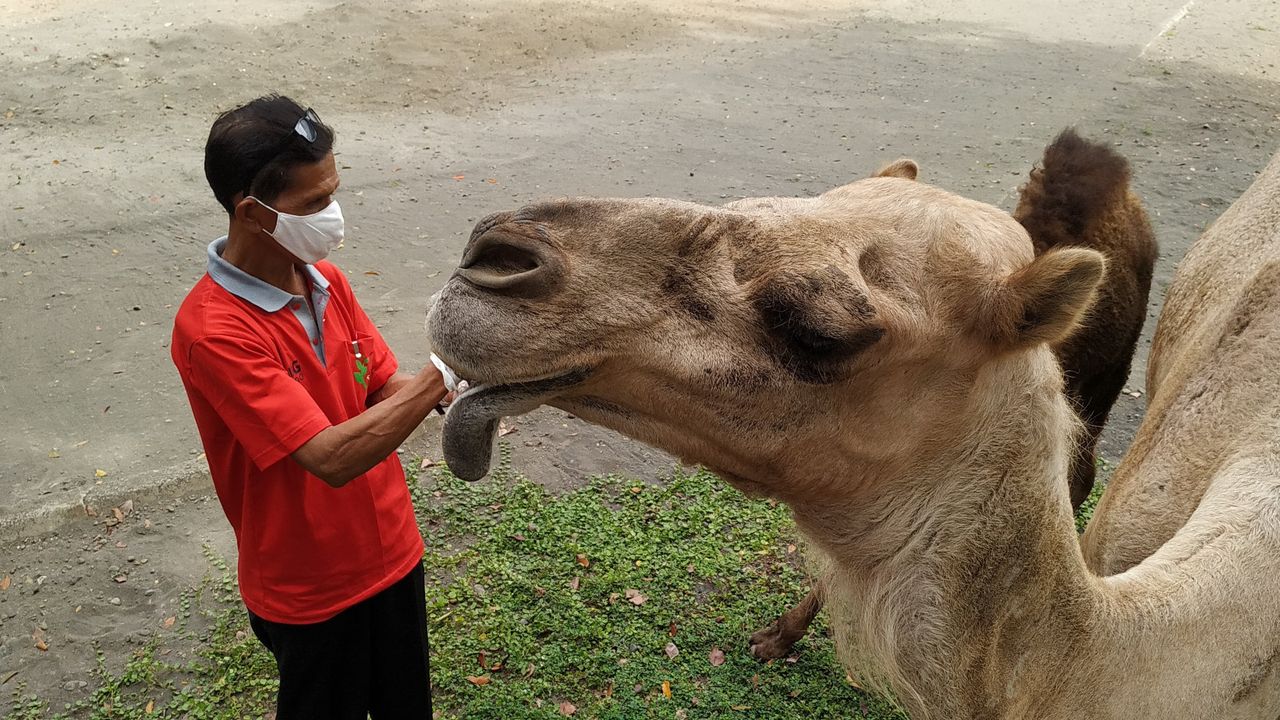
(356, 364)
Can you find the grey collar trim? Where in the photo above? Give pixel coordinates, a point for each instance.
(249, 288)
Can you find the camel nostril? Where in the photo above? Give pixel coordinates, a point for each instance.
(502, 259)
(510, 265)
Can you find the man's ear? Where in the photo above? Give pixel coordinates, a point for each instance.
(905, 168)
(253, 215)
(1044, 301)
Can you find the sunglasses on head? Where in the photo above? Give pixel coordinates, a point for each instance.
(306, 126)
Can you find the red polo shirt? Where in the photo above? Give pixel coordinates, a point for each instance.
(264, 381)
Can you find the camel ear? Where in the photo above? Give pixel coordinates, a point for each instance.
(905, 168)
(1044, 301)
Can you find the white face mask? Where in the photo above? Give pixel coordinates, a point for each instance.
(308, 237)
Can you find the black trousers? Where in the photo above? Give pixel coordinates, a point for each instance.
(370, 659)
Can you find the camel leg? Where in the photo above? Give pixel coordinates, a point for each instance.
(1084, 465)
(776, 640)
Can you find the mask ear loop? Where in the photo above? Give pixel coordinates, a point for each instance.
(262, 204)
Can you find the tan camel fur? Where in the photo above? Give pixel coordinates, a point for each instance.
(879, 359)
(1213, 383)
(1078, 197)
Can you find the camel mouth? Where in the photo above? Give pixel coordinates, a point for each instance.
(471, 425)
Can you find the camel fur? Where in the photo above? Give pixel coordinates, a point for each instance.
(1079, 197)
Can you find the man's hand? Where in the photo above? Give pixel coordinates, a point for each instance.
(450, 378)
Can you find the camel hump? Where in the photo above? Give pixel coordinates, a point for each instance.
(1080, 181)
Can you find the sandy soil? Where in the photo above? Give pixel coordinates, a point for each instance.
(447, 111)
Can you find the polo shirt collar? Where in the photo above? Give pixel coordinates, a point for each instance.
(251, 289)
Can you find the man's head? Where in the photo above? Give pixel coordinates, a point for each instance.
(254, 149)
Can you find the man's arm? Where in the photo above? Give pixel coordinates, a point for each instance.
(340, 453)
(389, 388)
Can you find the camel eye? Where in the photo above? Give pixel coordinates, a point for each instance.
(814, 324)
(812, 342)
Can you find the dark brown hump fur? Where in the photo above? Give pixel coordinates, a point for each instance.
(1078, 184)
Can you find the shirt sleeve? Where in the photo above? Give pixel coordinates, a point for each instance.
(270, 413)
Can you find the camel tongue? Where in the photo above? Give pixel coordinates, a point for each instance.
(472, 423)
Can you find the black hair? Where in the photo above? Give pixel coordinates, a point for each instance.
(253, 148)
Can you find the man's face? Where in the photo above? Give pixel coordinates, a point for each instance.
(310, 190)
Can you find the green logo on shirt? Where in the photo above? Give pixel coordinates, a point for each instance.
(362, 374)
(362, 369)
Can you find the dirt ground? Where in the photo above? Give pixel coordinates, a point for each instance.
(447, 111)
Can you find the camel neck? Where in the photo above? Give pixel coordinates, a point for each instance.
(958, 571)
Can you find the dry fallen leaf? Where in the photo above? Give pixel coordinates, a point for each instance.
(151, 707)
(38, 637)
(491, 181)
(478, 680)
(666, 689)
(716, 657)
(168, 622)
(574, 584)
(459, 177)
(791, 549)
(636, 597)
(426, 463)
(671, 650)
(608, 690)
(118, 513)
(583, 561)
(372, 273)
(54, 453)
(567, 708)
(100, 473)
(505, 429)
(671, 631)
(5, 582)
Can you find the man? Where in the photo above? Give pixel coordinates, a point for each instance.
(300, 408)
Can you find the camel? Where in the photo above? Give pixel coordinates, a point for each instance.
(1080, 197)
(1211, 383)
(879, 358)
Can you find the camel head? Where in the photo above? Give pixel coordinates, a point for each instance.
(782, 343)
